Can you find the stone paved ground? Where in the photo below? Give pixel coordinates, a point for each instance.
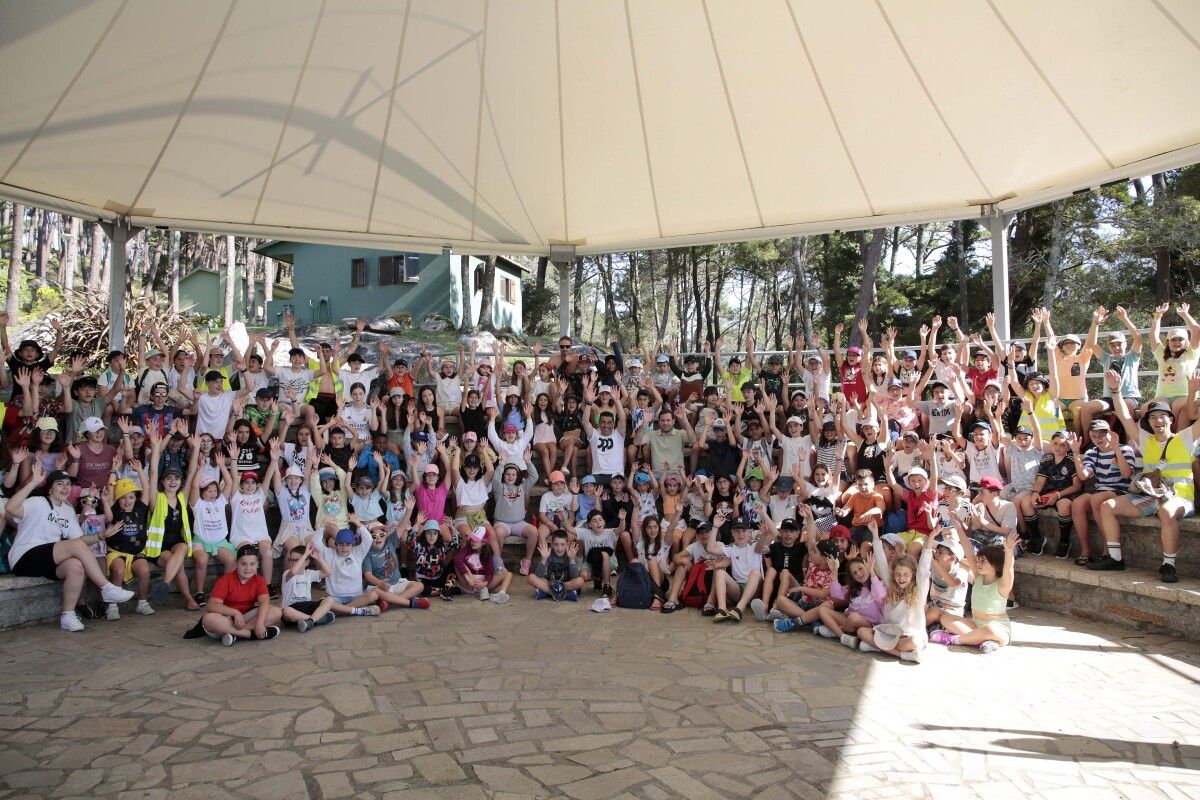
(472, 700)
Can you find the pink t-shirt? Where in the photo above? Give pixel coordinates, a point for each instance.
(432, 502)
(95, 468)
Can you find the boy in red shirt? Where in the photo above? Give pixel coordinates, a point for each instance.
(920, 498)
(239, 606)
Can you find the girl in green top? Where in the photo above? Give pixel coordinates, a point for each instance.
(989, 626)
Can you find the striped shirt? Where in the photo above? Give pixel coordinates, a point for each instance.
(1104, 467)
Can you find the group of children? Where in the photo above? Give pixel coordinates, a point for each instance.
(885, 511)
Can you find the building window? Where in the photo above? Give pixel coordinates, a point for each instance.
(358, 272)
(412, 268)
(508, 290)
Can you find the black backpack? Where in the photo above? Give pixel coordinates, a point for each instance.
(635, 588)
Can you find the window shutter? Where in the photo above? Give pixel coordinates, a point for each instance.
(412, 269)
(358, 272)
(387, 270)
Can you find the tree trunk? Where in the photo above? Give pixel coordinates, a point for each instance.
(173, 274)
(870, 246)
(71, 256)
(667, 293)
(250, 259)
(468, 321)
(268, 266)
(634, 311)
(1054, 259)
(95, 257)
(543, 265)
(964, 318)
(15, 258)
(1162, 255)
(895, 247)
(43, 244)
(919, 253)
(488, 291)
(155, 260)
(230, 278)
(577, 301)
(803, 298)
(700, 306)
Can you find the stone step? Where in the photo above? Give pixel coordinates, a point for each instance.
(1135, 598)
(1141, 542)
(27, 601)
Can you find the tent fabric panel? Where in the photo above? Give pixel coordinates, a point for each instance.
(218, 160)
(799, 167)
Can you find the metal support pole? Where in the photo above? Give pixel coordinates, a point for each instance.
(563, 256)
(998, 224)
(119, 233)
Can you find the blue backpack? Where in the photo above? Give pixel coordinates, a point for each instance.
(635, 588)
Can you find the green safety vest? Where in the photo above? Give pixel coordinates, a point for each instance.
(1048, 414)
(1174, 462)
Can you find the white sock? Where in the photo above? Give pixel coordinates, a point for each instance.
(1114, 551)
(1169, 559)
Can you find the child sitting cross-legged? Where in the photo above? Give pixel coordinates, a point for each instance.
(345, 580)
(239, 606)
(381, 570)
(474, 567)
(304, 568)
(559, 575)
(902, 632)
(801, 605)
(744, 579)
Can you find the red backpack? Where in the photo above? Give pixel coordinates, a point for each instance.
(695, 586)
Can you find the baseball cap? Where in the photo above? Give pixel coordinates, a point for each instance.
(918, 472)
(704, 527)
(937, 385)
(982, 426)
(741, 522)
(213, 375)
(420, 436)
(1099, 425)
(909, 354)
(795, 419)
(892, 539)
(557, 477)
(431, 525)
(152, 352)
(91, 425)
(1025, 429)
(604, 387)
(601, 605)
(46, 424)
(510, 428)
(662, 358)
(249, 475)
(785, 483)
(719, 423)
(263, 394)
(58, 475)
(899, 384)
(775, 359)
(396, 391)
(911, 435)
(295, 472)
(954, 482)
(854, 350)
(327, 474)
(173, 469)
(1070, 337)
(123, 487)
(479, 534)
(869, 422)
(839, 532)
(951, 544)
(634, 363)
(430, 469)
(1116, 336)
(1178, 333)
(990, 483)
(344, 536)
(588, 480)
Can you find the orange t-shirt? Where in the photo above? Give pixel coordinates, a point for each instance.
(862, 502)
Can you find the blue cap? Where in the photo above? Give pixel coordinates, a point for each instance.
(702, 473)
(909, 354)
(641, 477)
(420, 436)
(327, 473)
(344, 536)
(431, 525)
(588, 479)
(983, 426)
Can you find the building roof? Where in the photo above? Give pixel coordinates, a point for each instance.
(508, 127)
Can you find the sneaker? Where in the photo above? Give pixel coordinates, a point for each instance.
(201, 599)
(484, 594)
(557, 590)
(911, 655)
(144, 608)
(1036, 545)
(538, 594)
(270, 633)
(304, 625)
(606, 590)
(499, 598)
(785, 625)
(1011, 603)
(824, 632)
(1107, 564)
(1064, 548)
(775, 614)
(596, 585)
(571, 596)
(525, 565)
(812, 627)
(941, 637)
(159, 592)
(867, 648)
(759, 608)
(1167, 573)
(112, 593)
(69, 621)
(327, 618)
(989, 647)
(421, 602)
(85, 611)
(228, 639)
(112, 613)
(850, 640)
(371, 611)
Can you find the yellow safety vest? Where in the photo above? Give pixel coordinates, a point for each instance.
(1173, 461)
(1048, 414)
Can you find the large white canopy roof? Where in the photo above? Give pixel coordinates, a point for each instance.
(506, 125)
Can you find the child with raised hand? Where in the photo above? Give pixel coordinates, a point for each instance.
(951, 575)
(303, 568)
(169, 527)
(294, 499)
(471, 478)
(431, 545)
(902, 631)
(473, 565)
(328, 489)
(863, 594)
(381, 570)
(211, 540)
(599, 546)
(989, 626)
(249, 520)
(434, 486)
(784, 567)
(559, 576)
(651, 549)
(126, 514)
(344, 583)
(510, 488)
(799, 605)
(744, 579)
(240, 604)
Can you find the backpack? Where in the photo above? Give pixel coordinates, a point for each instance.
(695, 586)
(635, 587)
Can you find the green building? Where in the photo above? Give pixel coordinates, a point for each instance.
(202, 291)
(332, 283)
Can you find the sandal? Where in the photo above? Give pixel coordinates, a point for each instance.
(669, 607)
(709, 610)
(734, 614)
(656, 605)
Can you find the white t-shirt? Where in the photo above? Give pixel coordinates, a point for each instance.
(345, 577)
(359, 420)
(817, 385)
(249, 518)
(698, 552)
(210, 519)
(471, 493)
(212, 413)
(298, 588)
(662, 557)
(43, 523)
(295, 381)
(174, 378)
(253, 381)
(365, 376)
(106, 381)
(795, 450)
(552, 502)
(295, 455)
(449, 391)
(781, 508)
(608, 452)
(742, 561)
(984, 463)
